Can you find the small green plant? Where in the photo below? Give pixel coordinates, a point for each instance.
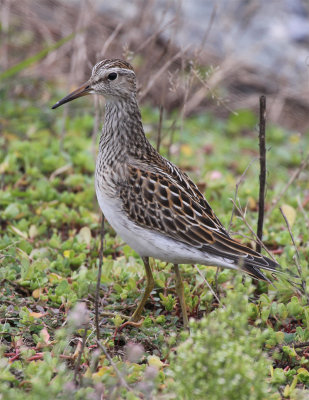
(221, 358)
(168, 301)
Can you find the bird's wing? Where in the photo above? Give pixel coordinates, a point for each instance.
(160, 202)
(182, 179)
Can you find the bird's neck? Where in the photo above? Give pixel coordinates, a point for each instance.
(123, 132)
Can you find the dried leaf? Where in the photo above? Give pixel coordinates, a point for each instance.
(45, 335)
(33, 231)
(36, 314)
(154, 361)
(4, 166)
(44, 339)
(37, 293)
(252, 203)
(19, 232)
(54, 277)
(85, 235)
(78, 349)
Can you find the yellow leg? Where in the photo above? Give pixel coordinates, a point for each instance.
(149, 286)
(181, 296)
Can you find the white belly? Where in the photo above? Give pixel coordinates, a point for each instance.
(148, 243)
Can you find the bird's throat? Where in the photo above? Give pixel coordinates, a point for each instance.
(122, 129)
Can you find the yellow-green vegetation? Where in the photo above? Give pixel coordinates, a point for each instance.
(244, 348)
(216, 355)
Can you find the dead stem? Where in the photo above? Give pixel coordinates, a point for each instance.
(76, 371)
(262, 179)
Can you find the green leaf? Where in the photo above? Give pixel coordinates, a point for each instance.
(34, 59)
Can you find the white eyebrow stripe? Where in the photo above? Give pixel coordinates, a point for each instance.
(108, 71)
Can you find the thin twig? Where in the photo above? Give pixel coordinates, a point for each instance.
(291, 180)
(207, 283)
(159, 129)
(279, 347)
(171, 129)
(299, 345)
(110, 40)
(240, 180)
(216, 281)
(156, 34)
(210, 24)
(76, 371)
(252, 231)
(118, 373)
(165, 66)
(297, 258)
(301, 208)
(97, 294)
(262, 140)
(113, 315)
(208, 89)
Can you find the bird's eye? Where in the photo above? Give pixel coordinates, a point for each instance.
(112, 76)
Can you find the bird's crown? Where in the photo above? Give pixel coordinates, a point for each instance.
(111, 64)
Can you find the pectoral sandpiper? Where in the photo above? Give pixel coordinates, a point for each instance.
(150, 202)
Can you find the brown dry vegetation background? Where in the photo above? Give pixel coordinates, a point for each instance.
(169, 75)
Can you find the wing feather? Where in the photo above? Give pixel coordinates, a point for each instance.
(172, 205)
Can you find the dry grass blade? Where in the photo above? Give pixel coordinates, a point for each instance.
(210, 25)
(207, 283)
(201, 94)
(226, 68)
(118, 373)
(161, 70)
(113, 315)
(109, 41)
(154, 35)
(252, 231)
(305, 215)
(291, 180)
(60, 171)
(240, 180)
(297, 258)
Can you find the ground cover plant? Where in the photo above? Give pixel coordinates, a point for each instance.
(49, 242)
(247, 340)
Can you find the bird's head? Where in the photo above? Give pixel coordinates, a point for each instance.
(111, 78)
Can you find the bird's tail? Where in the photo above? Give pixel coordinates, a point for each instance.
(254, 266)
